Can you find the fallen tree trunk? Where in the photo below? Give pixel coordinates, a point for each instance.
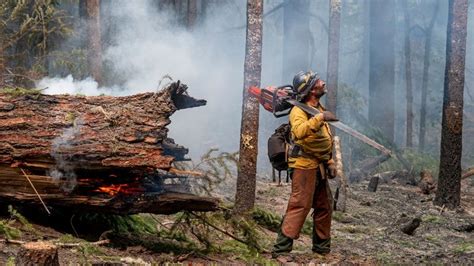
(90, 132)
(366, 167)
(101, 153)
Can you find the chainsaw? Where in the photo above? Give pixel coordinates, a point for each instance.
(280, 100)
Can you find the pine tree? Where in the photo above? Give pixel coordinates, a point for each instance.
(449, 180)
(246, 179)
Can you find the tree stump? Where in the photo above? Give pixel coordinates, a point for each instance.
(38, 253)
(409, 228)
(427, 183)
(374, 182)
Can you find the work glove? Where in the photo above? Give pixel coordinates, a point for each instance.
(328, 116)
(332, 170)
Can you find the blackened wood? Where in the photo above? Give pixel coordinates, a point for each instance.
(373, 184)
(449, 180)
(133, 197)
(246, 177)
(410, 227)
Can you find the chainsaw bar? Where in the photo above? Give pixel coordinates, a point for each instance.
(343, 127)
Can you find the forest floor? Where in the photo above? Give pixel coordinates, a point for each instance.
(367, 233)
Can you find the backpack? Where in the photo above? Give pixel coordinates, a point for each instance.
(278, 147)
(278, 144)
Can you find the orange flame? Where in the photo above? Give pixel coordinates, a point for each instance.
(113, 189)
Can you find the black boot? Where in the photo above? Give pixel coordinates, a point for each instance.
(283, 244)
(321, 246)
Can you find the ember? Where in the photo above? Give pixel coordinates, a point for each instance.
(113, 190)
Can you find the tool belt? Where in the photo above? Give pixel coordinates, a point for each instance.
(294, 150)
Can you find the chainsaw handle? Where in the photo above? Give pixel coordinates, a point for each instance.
(275, 97)
(281, 114)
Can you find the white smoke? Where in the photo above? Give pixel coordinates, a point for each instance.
(149, 45)
(63, 171)
(68, 85)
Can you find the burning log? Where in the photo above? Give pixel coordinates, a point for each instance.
(101, 153)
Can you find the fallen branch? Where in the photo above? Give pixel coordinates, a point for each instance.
(218, 229)
(59, 244)
(12, 241)
(467, 173)
(70, 245)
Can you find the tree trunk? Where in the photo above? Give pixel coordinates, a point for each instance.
(102, 153)
(409, 86)
(424, 85)
(191, 14)
(246, 179)
(449, 180)
(38, 253)
(333, 53)
(91, 12)
(296, 38)
(382, 62)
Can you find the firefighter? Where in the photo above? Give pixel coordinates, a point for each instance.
(310, 160)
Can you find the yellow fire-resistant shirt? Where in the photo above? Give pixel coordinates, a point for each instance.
(313, 135)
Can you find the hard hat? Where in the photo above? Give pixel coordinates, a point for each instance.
(303, 82)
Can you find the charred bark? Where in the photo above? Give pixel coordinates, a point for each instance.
(89, 152)
(449, 180)
(373, 184)
(333, 53)
(246, 179)
(410, 227)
